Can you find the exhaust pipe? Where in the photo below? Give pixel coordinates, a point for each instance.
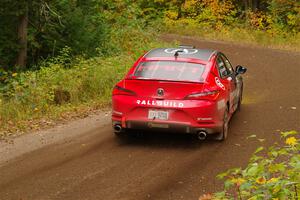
(201, 135)
(117, 128)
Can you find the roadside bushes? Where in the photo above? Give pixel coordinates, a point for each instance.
(272, 23)
(271, 174)
(284, 16)
(82, 74)
(66, 83)
(54, 89)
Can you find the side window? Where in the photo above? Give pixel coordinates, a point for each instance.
(227, 64)
(223, 71)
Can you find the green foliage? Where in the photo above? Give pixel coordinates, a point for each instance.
(208, 13)
(71, 31)
(30, 95)
(272, 174)
(235, 34)
(284, 15)
(92, 27)
(54, 24)
(82, 28)
(274, 21)
(9, 13)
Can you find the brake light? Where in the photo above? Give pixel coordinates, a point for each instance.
(207, 95)
(122, 91)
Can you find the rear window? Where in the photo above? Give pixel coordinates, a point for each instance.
(168, 70)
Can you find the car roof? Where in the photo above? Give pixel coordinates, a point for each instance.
(193, 53)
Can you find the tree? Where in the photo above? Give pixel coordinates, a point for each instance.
(35, 29)
(22, 37)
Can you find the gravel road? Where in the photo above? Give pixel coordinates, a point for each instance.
(84, 160)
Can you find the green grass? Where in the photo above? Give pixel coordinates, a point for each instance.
(237, 34)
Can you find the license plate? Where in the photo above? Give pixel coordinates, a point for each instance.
(158, 114)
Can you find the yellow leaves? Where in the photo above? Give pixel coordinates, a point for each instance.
(273, 180)
(171, 14)
(292, 141)
(257, 19)
(14, 74)
(190, 3)
(261, 180)
(219, 8)
(238, 181)
(191, 6)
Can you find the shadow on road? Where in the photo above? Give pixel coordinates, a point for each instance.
(159, 139)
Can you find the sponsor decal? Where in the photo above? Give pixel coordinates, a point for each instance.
(218, 82)
(160, 103)
(204, 118)
(184, 51)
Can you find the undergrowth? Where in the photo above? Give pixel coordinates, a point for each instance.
(272, 173)
(66, 84)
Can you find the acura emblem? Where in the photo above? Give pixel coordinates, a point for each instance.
(160, 92)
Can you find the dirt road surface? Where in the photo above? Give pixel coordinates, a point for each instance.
(84, 160)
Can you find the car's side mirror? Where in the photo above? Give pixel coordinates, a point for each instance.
(240, 69)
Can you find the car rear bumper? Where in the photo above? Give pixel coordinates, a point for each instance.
(167, 126)
(187, 116)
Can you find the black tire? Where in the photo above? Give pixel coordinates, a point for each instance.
(224, 133)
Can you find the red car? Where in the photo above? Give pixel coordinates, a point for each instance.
(182, 89)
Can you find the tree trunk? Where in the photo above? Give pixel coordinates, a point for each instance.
(246, 6)
(255, 5)
(22, 37)
(179, 8)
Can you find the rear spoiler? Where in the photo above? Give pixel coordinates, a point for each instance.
(183, 46)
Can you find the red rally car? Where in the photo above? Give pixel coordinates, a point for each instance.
(182, 89)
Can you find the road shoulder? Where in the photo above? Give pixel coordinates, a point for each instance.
(27, 143)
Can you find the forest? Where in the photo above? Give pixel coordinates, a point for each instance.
(37, 30)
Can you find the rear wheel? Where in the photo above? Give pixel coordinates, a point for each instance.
(224, 133)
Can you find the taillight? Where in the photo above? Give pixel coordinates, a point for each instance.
(207, 95)
(122, 91)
